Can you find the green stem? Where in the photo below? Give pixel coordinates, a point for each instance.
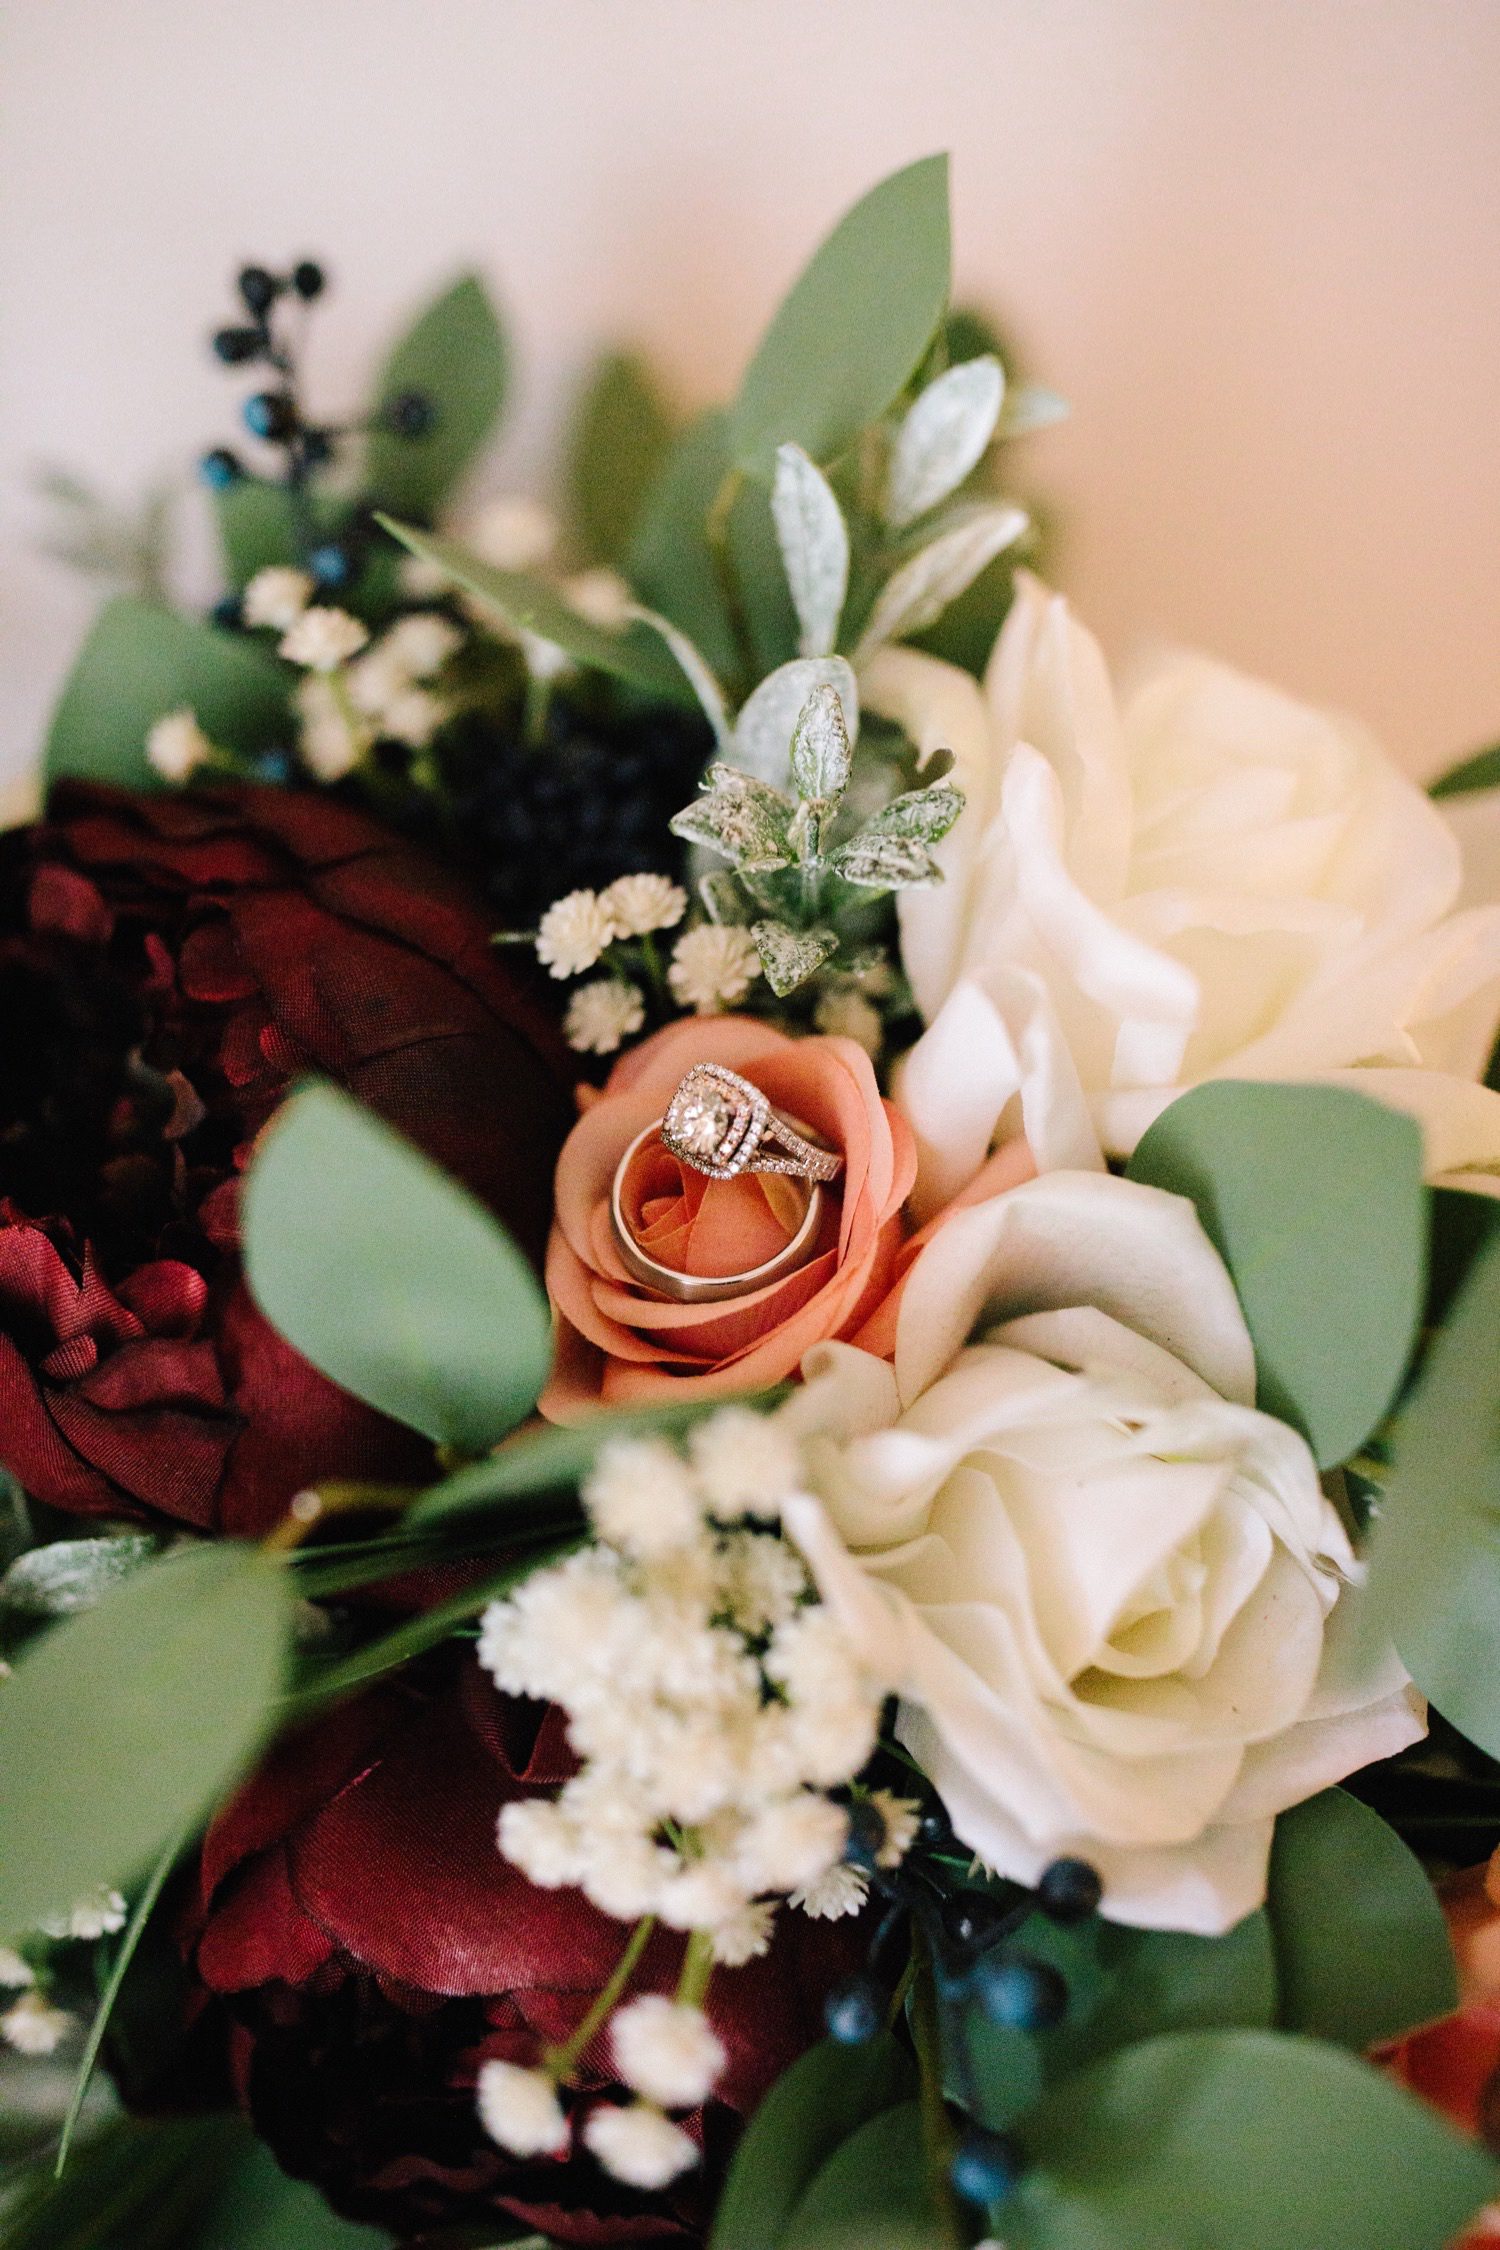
(697, 1969)
(655, 970)
(560, 2060)
(338, 688)
(937, 2131)
(131, 1938)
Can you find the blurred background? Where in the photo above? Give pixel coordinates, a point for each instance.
(1256, 243)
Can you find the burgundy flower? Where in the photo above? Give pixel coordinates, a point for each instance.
(168, 966)
(376, 1950)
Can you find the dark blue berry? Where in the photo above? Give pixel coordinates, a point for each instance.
(934, 1829)
(274, 767)
(1069, 1891)
(270, 414)
(308, 279)
(331, 564)
(226, 613)
(259, 289)
(235, 345)
(985, 2167)
(1018, 1993)
(854, 2011)
(220, 468)
(410, 414)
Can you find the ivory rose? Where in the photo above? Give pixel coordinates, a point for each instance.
(619, 1343)
(1118, 1608)
(1203, 879)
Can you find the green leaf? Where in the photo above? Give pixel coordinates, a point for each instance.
(531, 605)
(820, 755)
(789, 957)
(741, 817)
(390, 1277)
(1435, 1554)
(258, 527)
(1124, 1985)
(70, 1575)
(455, 354)
(1362, 1948)
(141, 661)
(620, 441)
(810, 2112)
(1241, 2140)
(814, 543)
(886, 863)
(765, 727)
(927, 814)
(944, 437)
(670, 562)
(1482, 771)
(1313, 1198)
(855, 326)
(259, 2208)
(874, 2189)
(920, 589)
(127, 1723)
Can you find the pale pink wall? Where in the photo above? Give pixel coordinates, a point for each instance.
(1257, 242)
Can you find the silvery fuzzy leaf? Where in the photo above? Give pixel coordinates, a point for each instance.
(917, 593)
(724, 899)
(926, 814)
(1031, 408)
(739, 817)
(789, 957)
(943, 437)
(886, 863)
(814, 543)
(695, 665)
(73, 1574)
(820, 748)
(763, 730)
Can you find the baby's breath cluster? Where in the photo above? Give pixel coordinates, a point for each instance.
(716, 1708)
(621, 922)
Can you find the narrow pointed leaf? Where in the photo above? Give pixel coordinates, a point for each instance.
(698, 672)
(814, 542)
(926, 814)
(886, 863)
(943, 437)
(919, 590)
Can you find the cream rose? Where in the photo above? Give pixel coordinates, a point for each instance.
(1205, 880)
(1121, 1614)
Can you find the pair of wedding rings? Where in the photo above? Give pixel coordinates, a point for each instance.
(721, 1125)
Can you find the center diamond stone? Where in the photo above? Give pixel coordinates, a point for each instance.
(702, 1121)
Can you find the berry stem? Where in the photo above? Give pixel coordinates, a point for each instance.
(938, 2136)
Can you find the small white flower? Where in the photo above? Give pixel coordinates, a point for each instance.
(329, 747)
(847, 1014)
(713, 967)
(13, 1970)
(668, 2052)
(374, 681)
(421, 579)
(602, 596)
(177, 746)
(642, 1498)
(276, 597)
(626, 1878)
(746, 1936)
(520, 2109)
(902, 1817)
(787, 1845)
(639, 2146)
(323, 639)
(421, 643)
(538, 1837)
(413, 718)
(544, 659)
(763, 1580)
(843, 1890)
(602, 1015)
(707, 1895)
(746, 1462)
(33, 2026)
(574, 932)
(514, 532)
(640, 903)
(99, 1915)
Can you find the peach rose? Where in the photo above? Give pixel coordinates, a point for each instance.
(618, 1344)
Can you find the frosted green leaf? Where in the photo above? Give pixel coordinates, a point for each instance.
(814, 543)
(789, 957)
(916, 594)
(1030, 408)
(886, 863)
(763, 731)
(724, 899)
(943, 437)
(820, 748)
(741, 818)
(71, 1575)
(926, 814)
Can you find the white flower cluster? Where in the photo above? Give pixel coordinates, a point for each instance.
(577, 931)
(31, 2024)
(378, 695)
(714, 1704)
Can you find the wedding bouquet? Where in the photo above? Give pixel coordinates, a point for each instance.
(747, 1342)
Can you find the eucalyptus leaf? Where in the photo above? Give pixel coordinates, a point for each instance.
(744, 819)
(70, 1575)
(141, 661)
(875, 2188)
(455, 355)
(620, 440)
(765, 726)
(855, 326)
(943, 438)
(886, 863)
(390, 1277)
(1435, 1554)
(920, 589)
(126, 1723)
(810, 2112)
(1481, 771)
(697, 671)
(789, 957)
(820, 749)
(814, 542)
(530, 605)
(1313, 1198)
(670, 562)
(1238, 2140)
(1362, 1947)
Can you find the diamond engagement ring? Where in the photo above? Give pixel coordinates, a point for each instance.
(720, 1124)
